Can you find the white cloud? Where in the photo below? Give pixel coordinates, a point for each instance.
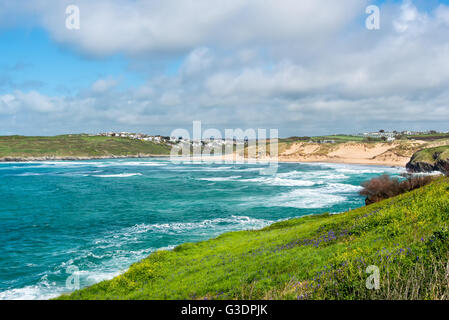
(7, 104)
(442, 14)
(303, 66)
(34, 101)
(409, 16)
(142, 27)
(102, 85)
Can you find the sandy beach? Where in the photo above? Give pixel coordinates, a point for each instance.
(379, 154)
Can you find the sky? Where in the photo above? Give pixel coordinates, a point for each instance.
(308, 67)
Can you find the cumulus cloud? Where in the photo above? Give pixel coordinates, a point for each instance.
(31, 101)
(305, 67)
(137, 27)
(102, 85)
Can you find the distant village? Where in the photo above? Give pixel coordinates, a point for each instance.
(393, 135)
(158, 139)
(387, 136)
(139, 136)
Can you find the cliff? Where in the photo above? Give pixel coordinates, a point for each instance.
(429, 160)
(312, 257)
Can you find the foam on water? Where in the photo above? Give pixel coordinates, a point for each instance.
(277, 181)
(231, 178)
(100, 217)
(231, 223)
(305, 198)
(118, 175)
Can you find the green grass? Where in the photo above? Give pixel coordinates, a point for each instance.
(77, 146)
(431, 155)
(339, 138)
(313, 257)
(429, 136)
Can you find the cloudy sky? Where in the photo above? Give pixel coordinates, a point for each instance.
(305, 67)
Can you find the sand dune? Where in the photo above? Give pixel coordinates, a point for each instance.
(394, 154)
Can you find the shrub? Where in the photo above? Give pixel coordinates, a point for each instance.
(384, 187)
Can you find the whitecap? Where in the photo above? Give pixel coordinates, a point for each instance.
(119, 175)
(230, 223)
(341, 188)
(276, 181)
(214, 179)
(305, 198)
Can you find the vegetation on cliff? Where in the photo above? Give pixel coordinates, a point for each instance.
(430, 159)
(384, 187)
(314, 257)
(76, 146)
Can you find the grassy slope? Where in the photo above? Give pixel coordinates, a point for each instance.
(431, 155)
(323, 256)
(76, 146)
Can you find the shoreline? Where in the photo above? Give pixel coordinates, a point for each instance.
(355, 162)
(78, 158)
(192, 159)
(333, 160)
(221, 159)
(197, 251)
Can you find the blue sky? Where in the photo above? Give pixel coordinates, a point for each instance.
(29, 56)
(153, 66)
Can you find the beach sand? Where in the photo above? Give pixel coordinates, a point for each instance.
(379, 154)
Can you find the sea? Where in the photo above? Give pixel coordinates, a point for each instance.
(93, 219)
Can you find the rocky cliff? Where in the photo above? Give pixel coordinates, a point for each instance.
(429, 160)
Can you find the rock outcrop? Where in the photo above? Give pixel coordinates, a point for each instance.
(430, 160)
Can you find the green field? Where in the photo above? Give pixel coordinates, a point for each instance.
(77, 146)
(339, 138)
(429, 136)
(314, 257)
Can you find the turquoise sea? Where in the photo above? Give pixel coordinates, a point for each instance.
(98, 217)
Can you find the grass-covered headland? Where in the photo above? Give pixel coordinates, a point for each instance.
(314, 257)
(430, 159)
(76, 145)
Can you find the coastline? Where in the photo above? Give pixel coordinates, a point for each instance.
(282, 236)
(390, 154)
(346, 161)
(80, 158)
(281, 159)
(166, 157)
(212, 159)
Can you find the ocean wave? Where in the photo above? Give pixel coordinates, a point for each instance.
(199, 169)
(28, 174)
(359, 169)
(135, 164)
(45, 289)
(118, 175)
(341, 188)
(35, 292)
(276, 181)
(305, 199)
(433, 173)
(248, 169)
(362, 171)
(214, 179)
(311, 175)
(231, 223)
